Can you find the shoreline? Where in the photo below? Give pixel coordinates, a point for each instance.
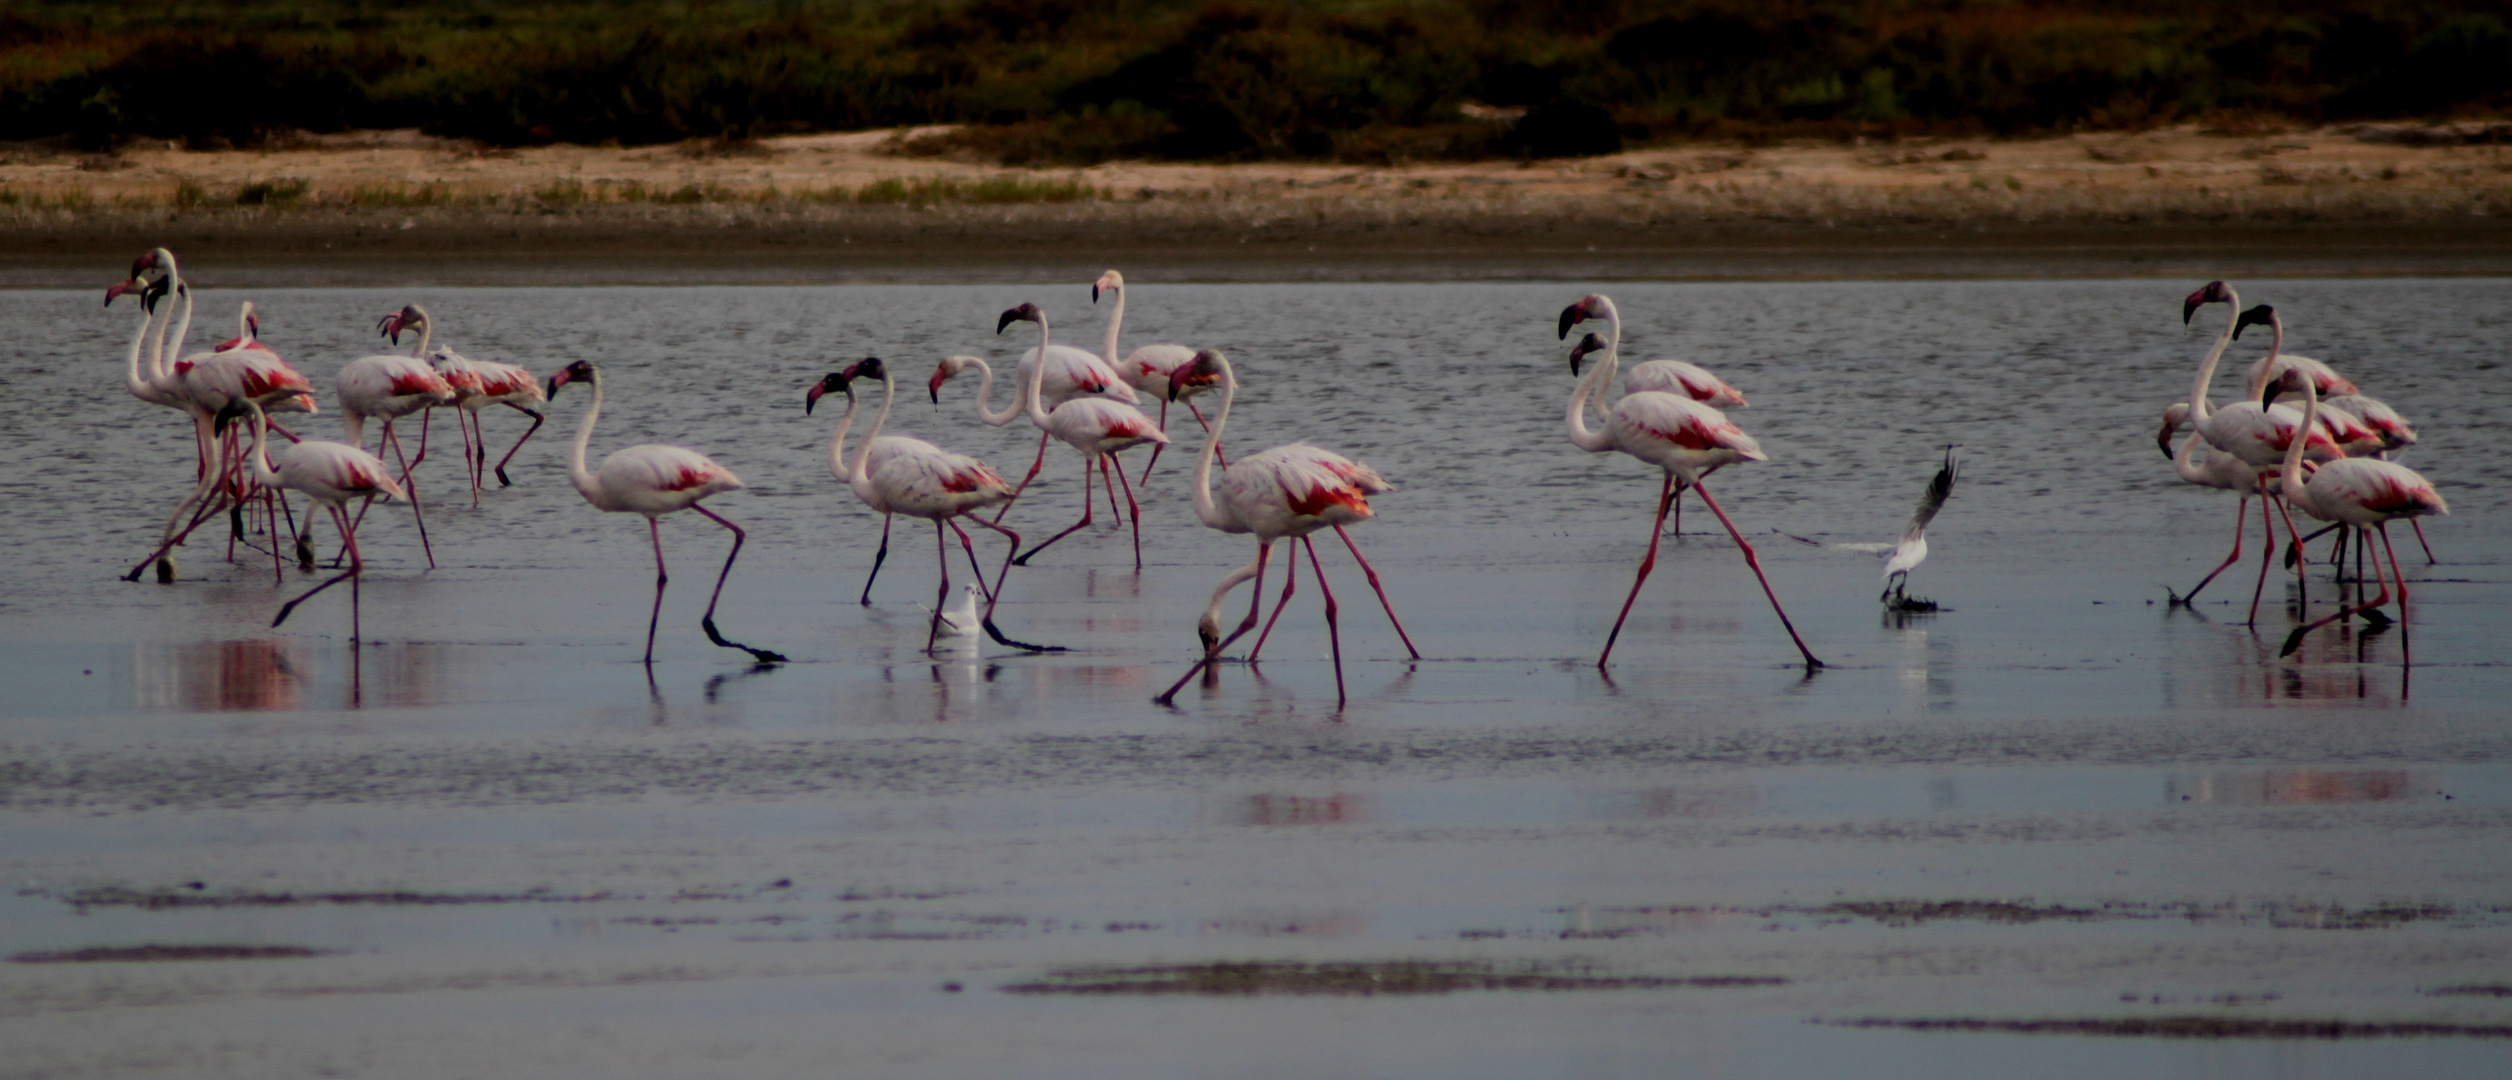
(394, 207)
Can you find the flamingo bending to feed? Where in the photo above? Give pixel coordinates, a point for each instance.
(1287, 491)
(329, 473)
(1064, 373)
(2218, 470)
(894, 474)
(2361, 493)
(654, 480)
(1147, 369)
(1677, 434)
(390, 386)
(1098, 427)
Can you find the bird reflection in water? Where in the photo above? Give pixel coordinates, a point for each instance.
(217, 676)
(2298, 786)
(1269, 808)
(2340, 667)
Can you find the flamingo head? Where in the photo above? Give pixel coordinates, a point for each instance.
(1203, 372)
(1587, 344)
(1208, 629)
(832, 383)
(252, 323)
(580, 371)
(150, 291)
(869, 367)
(2173, 418)
(1110, 282)
(1023, 313)
(409, 316)
(950, 365)
(2263, 315)
(1591, 306)
(2213, 292)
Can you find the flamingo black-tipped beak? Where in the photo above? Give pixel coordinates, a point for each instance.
(835, 380)
(2254, 317)
(234, 411)
(1570, 317)
(1023, 313)
(2209, 293)
(1094, 292)
(118, 288)
(1589, 344)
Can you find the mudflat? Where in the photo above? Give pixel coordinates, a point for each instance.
(398, 207)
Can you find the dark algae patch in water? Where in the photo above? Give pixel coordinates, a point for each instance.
(1392, 977)
(152, 953)
(2199, 1027)
(2492, 990)
(197, 896)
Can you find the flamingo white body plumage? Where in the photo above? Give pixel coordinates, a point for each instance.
(1097, 427)
(896, 474)
(2197, 463)
(1671, 376)
(330, 473)
(2359, 493)
(653, 479)
(389, 386)
(1147, 368)
(478, 384)
(1286, 492)
(1683, 437)
(2392, 429)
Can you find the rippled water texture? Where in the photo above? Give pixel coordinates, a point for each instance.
(728, 870)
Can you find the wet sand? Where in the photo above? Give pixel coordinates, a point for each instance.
(2058, 828)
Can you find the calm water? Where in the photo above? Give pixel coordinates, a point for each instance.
(2058, 734)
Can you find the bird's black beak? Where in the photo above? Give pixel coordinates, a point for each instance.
(1569, 318)
(2253, 317)
(1009, 317)
(233, 412)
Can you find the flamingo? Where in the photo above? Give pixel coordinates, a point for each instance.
(2218, 470)
(391, 386)
(2361, 493)
(1098, 427)
(1677, 434)
(1286, 491)
(1064, 373)
(2250, 431)
(654, 480)
(329, 473)
(1666, 374)
(1147, 369)
(1913, 548)
(894, 474)
(478, 384)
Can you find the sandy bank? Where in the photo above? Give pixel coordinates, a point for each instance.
(386, 205)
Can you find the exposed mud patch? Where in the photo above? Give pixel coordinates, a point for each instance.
(198, 896)
(2199, 1027)
(1394, 977)
(2494, 990)
(153, 953)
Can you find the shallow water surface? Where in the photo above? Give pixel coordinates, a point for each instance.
(515, 843)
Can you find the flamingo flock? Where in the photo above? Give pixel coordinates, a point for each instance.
(2324, 456)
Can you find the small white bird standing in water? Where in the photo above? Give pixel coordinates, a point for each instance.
(961, 623)
(1913, 549)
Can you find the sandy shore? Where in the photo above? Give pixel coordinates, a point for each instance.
(360, 207)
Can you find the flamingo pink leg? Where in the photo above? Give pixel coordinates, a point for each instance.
(2295, 640)
(1145, 478)
(1334, 636)
(410, 488)
(662, 577)
(877, 556)
(1755, 561)
(707, 621)
(1034, 466)
(1665, 499)
(2241, 523)
(1088, 497)
(1372, 572)
(1132, 508)
(995, 595)
(942, 595)
(1290, 579)
(2267, 522)
(537, 417)
(2419, 526)
(1212, 649)
(2302, 579)
(349, 545)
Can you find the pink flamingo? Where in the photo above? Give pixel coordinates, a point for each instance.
(1287, 491)
(2250, 431)
(1064, 373)
(391, 386)
(1098, 427)
(894, 474)
(1668, 375)
(1677, 434)
(478, 384)
(331, 474)
(2361, 493)
(1147, 369)
(2218, 470)
(654, 480)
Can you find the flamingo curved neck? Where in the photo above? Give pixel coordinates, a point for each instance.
(985, 393)
(2292, 476)
(1034, 388)
(1597, 378)
(133, 378)
(577, 473)
(263, 474)
(837, 443)
(858, 478)
(427, 331)
(2186, 462)
(1116, 317)
(2198, 408)
(1206, 510)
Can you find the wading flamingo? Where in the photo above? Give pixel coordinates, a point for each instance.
(1098, 427)
(2361, 493)
(1064, 373)
(2251, 432)
(2216, 469)
(1147, 369)
(1287, 491)
(390, 386)
(478, 384)
(653, 480)
(1677, 434)
(894, 474)
(329, 473)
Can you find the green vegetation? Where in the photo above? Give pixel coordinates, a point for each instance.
(1076, 81)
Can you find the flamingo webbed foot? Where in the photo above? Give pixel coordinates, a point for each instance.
(763, 656)
(996, 633)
